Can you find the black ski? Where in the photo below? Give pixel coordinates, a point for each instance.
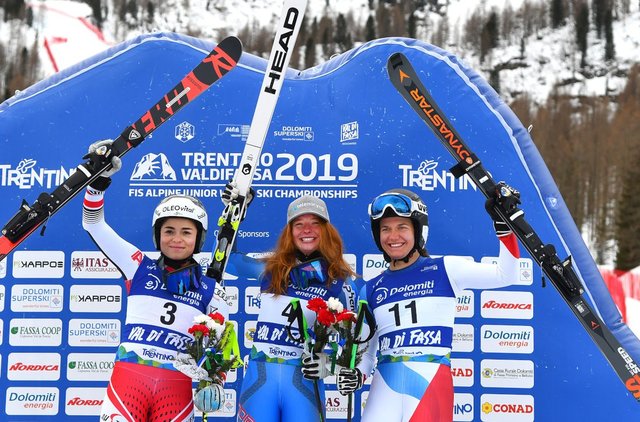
(214, 66)
(561, 273)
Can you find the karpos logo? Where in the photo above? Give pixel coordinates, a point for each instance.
(38, 264)
(95, 298)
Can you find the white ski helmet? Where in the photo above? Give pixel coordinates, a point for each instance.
(401, 203)
(182, 206)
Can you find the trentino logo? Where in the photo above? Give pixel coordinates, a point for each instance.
(153, 167)
(26, 176)
(185, 132)
(428, 178)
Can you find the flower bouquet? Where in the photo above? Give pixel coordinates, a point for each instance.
(213, 352)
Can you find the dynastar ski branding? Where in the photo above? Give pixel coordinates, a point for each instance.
(561, 273)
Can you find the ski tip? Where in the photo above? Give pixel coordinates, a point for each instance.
(395, 60)
(232, 46)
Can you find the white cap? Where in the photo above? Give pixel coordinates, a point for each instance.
(307, 205)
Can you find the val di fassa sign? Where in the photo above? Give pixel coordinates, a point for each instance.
(62, 302)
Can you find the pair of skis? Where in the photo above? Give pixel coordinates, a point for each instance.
(561, 273)
(212, 68)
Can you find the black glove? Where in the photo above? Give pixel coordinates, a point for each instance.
(101, 151)
(349, 380)
(506, 198)
(315, 367)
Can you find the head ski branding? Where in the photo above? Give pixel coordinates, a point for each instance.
(280, 57)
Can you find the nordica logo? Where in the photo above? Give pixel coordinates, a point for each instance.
(26, 176)
(153, 167)
(428, 178)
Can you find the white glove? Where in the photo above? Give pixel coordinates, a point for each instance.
(231, 192)
(104, 148)
(349, 380)
(315, 367)
(188, 366)
(210, 398)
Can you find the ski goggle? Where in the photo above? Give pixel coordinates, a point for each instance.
(306, 273)
(400, 204)
(183, 279)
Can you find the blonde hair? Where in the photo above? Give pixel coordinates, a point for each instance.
(279, 264)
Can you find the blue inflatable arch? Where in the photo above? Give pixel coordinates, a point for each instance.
(341, 132)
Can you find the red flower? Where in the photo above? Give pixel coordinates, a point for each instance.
(217, 317)
(346, 316)
(326, 317)
(317, 304)
(199, 328)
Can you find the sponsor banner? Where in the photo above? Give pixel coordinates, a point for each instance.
(1, 334)
(506, 304)
(336, 405)
(84, 401)
(249, 332)
(507, 373)
(92, 264)
(506, 408)
(465, 304)
(462, 338)
(373, 265)
(3, 268)
(2, 296)
(35, 332)
(36, 401)
(506, 338)
(463, 407)
(90, 366)
(95, 298)
(38, 264)
(94, 332)
(37, 297)
(525, 277)
(252, 300)
(228, 408)
(462, 371)
(33, 366)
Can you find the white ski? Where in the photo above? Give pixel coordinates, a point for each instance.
(283, 44)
